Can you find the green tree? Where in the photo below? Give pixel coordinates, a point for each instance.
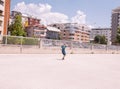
(100, 39)
(103, 40)
(118, 36)
(59, 36)
(97, 39)
(16, 27)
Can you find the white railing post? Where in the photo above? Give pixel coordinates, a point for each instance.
(21, 39)
(6, 40)
(106, 47)
(91, 46)
(40, 43)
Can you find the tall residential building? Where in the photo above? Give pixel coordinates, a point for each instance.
(102, 32)
(115, 23)
(4, 16)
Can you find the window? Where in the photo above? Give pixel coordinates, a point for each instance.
(68, 27)
(0, 23)
(54, 25)
(71, 38)
(97, 31)
(1, 12)
(42, 33)
(83, 27)
(76, 28)
(37, 33)
(71, 34)
(1, 2)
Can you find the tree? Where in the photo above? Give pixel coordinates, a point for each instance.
(100, 39)
(118, 36)
(103, 40)
(16, 27)
(59, 36)
(97, 39)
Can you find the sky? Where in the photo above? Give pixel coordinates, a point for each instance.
(96, 13)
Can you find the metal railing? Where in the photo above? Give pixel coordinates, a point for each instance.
(29, 42)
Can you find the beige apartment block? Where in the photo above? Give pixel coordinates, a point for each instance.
(74, 32)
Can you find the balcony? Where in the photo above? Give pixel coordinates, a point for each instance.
(1, 28)
(1, 12)
(1, 18)
(1, 2)
(1, 7)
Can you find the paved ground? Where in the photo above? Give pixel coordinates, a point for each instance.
(48, 71)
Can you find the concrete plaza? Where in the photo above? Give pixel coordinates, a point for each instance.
(48, 71)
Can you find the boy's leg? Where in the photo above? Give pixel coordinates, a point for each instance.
(63, 57)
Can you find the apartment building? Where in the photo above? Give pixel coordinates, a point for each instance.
(33, 21)
(115, 23)
(52, 33)
(38, 31)
(34, 28)
(74, 32)
(27, 20)
(4, 16)
(102, 32)
(31, 24)
(84, 32)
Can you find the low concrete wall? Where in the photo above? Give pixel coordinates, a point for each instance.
(17, 49)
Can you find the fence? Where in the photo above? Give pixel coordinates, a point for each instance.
(28, 44)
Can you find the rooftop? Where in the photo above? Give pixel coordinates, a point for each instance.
(53, 29)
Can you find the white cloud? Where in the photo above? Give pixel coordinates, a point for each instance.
(54, 18)
(79, 18)
(32, 8)
(43, 12)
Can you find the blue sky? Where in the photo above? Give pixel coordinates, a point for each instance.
(98, 12)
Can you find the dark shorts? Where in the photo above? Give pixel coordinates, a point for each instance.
(63, 52)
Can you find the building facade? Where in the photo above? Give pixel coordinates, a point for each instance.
(4, 16)
(38, 31)
(27, 20)
(102, 32)
(32, 25)
(33, 21)
(52, 33)
(115, 23)
(74, 32)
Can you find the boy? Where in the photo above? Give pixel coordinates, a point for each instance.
(63, 51)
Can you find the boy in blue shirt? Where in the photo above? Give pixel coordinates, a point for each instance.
(63, 47)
